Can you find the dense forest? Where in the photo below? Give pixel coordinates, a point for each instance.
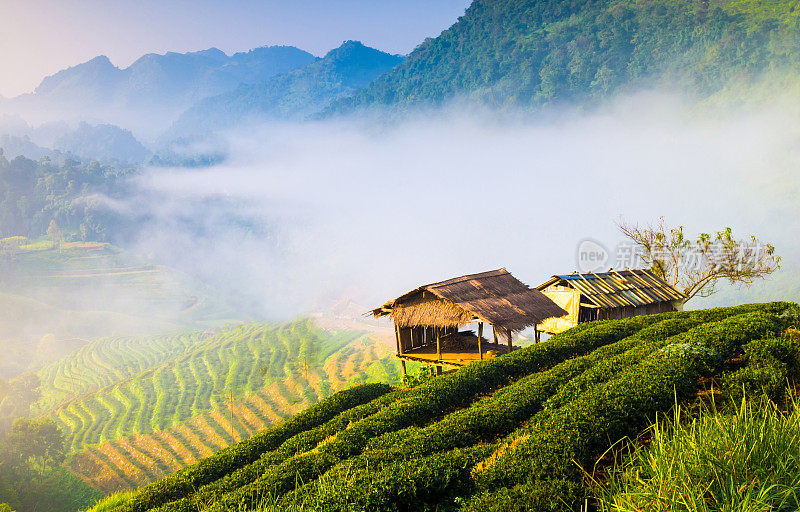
(536, 53)
(55, 198)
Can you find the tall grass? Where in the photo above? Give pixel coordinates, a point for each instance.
(112, 501)
(743, 460)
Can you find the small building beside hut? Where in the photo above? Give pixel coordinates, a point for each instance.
(607, 295)
(429, 319)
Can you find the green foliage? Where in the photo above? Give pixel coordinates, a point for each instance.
(374, 484)
(771, 364)
(538, 53)
(246, 452)
(428, 402)
(539, 495)
(32, 442)
(496, 415)
(511, 433)
(35, 194)
(425, 373)
(16, 397)
(559, 442)
(298, 444)
(31, 477)
(112, 502)
(735, 461)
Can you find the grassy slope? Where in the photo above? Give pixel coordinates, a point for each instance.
(502, 434)
(137, 408)
(738, 460)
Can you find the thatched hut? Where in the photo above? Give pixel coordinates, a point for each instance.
(608, 295)
(428, 319)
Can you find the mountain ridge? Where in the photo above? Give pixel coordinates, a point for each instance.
(289, 96)
(150, 93)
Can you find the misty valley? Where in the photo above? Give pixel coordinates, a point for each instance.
(587, 212)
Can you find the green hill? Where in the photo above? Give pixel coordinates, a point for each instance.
(535, 53)
(504, 434)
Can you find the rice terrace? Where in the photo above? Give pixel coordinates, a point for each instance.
(409, 256)
(136, 409)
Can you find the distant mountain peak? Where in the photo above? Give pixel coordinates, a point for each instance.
(352, 43)
(213, 51)
(153, 91)
(349, 46)
(214, 55)
(357, 50)
(99, 70)
(101, 60)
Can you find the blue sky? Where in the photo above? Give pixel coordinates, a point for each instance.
(40, 37)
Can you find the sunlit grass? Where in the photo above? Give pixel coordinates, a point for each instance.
(40, 245)
(743, 460)
(325, 489)
(112, 502)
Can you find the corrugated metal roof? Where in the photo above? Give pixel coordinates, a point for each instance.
(615, 289)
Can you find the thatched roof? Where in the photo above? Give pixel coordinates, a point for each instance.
(616, 289)
(495, 297)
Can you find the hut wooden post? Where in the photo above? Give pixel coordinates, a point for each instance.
(403, 364)
(494, 331)
(537, 334)
(438, 344)
(509, 340)
(397, 336)
(480, 340)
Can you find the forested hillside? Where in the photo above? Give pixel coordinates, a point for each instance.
(517, 432)
(537, 53)
(34, 194)
(102, 142)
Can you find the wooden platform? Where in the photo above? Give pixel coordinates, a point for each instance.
(463, 353)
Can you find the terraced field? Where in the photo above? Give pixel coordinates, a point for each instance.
(54, 300)
(517, 432)
(136, 409)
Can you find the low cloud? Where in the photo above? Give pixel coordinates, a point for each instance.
(300, 215)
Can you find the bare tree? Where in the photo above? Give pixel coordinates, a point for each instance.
(696, 266)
